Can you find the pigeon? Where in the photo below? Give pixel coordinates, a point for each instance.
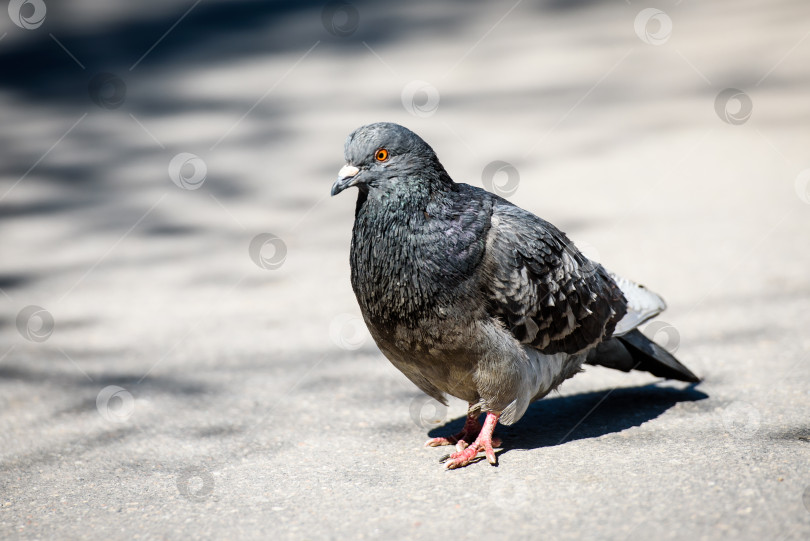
(471, 296)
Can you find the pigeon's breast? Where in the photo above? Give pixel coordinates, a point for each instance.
(415, 266)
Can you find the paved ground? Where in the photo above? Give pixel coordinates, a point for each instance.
(172, 387)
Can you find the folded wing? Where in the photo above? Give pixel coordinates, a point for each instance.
(546, 292)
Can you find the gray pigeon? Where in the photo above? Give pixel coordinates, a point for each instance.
(471, 296)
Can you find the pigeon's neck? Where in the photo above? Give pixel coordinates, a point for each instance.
(402, 199)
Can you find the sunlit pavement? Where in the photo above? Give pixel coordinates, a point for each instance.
(182, 354)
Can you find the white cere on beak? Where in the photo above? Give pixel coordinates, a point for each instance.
(348, 171)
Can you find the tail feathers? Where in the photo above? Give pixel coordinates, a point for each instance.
(634, 351)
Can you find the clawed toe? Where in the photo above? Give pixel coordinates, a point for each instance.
(490, 454)
(464, 457)
(438, 442)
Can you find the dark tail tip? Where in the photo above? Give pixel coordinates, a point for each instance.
(652, 358)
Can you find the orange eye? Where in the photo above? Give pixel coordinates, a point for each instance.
(381, 155)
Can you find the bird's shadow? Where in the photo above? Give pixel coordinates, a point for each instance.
(561, 419)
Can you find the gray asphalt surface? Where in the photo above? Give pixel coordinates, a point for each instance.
(190, 386)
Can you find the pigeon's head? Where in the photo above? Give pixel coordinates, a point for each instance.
(382, 154)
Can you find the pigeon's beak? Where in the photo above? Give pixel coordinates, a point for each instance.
(346, 179)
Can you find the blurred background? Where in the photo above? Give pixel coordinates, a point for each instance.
(180, 344)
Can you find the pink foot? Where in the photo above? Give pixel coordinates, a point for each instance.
(484, 442)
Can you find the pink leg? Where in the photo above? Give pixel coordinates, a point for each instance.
(470, 431)
(483, 442)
